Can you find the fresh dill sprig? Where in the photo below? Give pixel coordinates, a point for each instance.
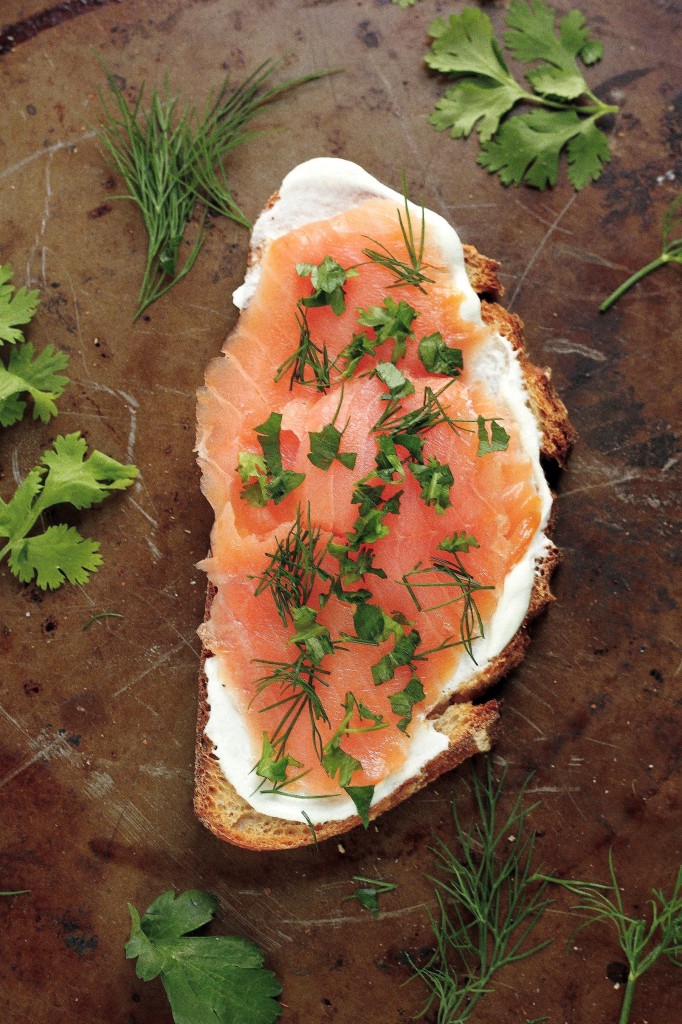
(307, 356)
(298, 681)
(671, 251)
(171, 159)
(450, 572)
(641, 941)
(294, 566)
(411, 273)
(152, 151)
(489, 901)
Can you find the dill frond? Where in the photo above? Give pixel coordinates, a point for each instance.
(489, 901)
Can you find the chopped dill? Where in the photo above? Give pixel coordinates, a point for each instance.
(406, 273)
(294, 566)
(307, 356)
(450, 572)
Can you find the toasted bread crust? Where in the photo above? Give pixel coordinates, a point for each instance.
(471, 728)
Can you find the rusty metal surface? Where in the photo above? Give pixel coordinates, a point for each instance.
(97, 725)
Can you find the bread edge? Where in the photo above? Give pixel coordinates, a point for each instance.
(471, 728)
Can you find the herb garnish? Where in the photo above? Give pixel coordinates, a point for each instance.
(38, 376)
(206, 977)
(63, 476)
(403, 701)
(327, 279)
(450, 572)
(435, 479)
(437, 357)
(391, 320)
(411, 273)
(17, 307)
(294, 566)
(325, 444)
(368, 892)
(641, 942)
(307, 355)
(171, 161)
(671, 251)
(264, 476)
(524, 147)
(489, 901)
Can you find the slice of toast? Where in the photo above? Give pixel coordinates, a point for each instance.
(469, 727)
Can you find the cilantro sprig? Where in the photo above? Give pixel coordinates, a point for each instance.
(64, 476)
(523, 147)
(38, 376)
(17, 307)
(220, 978)
(671, 251)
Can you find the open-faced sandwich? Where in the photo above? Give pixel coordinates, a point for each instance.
(370, 441)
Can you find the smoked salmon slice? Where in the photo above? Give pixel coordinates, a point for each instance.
(369, 449)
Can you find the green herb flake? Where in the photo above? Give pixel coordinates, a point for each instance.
(496, 441)
(38, 377)
(395, 380)
(435, 479)
(311, 635)
(64, 476)
(368, 892)
(272, 768)
(265, 478)
(437, 357)
(206, 977)
(528, 147)
(392, 320)
(362, 797)
(404, 648)
(325, 444)
(461, 541)
(327, 279)
(403, 701)
(16, 307)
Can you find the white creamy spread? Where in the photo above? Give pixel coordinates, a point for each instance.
(314, 191)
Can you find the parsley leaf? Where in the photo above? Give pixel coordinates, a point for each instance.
(399, 386)
(368, 892)
(211, 977)
(435, 479)
(390, 320)
(272, 481)
(64, 476)
(272, 768)
(498, 440)
(38, 377)
(437, 357)
(671, 251)
(16, 307)
(458, 542)
(403, 701)
(525, 148)
(327, 279)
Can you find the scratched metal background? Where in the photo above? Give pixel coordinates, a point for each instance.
(97, 726)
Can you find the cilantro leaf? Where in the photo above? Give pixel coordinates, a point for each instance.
(216, 978)
(64, 476)
(523, 148)
(272, 481)
(327, 279)
(367, 894)
(274, 768)
(496, 442)
(58, 554)
(531, 37)
(39, 377)
(437, 357)
(458, 542)
(465, 45)
(362, 798)
(528, 147)
(16, 307)
(402, 654)
(324, 448)
(403, 701)
(390, 320)
(435, 479)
